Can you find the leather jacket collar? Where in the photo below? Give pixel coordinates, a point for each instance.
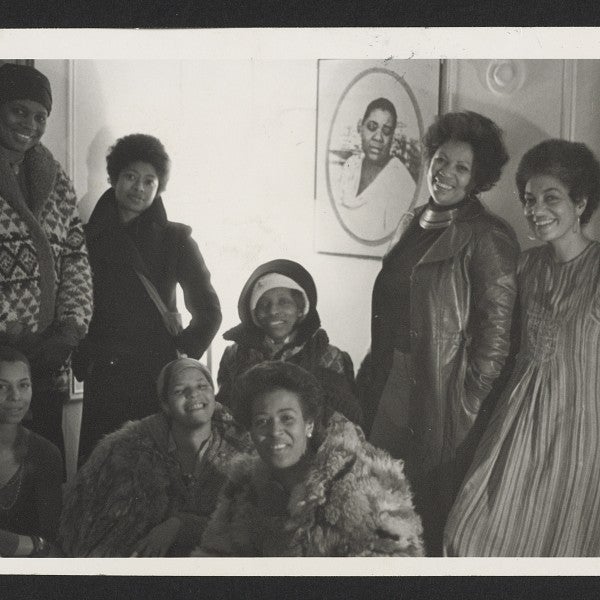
(455, 236)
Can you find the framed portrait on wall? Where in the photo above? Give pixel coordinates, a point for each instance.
(371, 116)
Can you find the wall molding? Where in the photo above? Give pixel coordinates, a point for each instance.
(70, 125)
(448, 85)
(568, 103)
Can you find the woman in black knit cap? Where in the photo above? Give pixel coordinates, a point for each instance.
(45, 280)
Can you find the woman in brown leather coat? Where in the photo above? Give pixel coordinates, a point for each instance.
(441, 317)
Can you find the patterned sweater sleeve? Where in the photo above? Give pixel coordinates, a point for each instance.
(74, 300)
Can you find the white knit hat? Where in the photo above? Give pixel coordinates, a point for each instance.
(270, 281)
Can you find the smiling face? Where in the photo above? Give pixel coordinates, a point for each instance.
(190, 399)
(549, 209)
(22, 124)
(135, 189)
(15, 392)
(450, 173)
(377, 133)
(278, 428)
(277, 313)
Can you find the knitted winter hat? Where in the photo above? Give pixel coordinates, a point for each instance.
(271, 281)
(21, 82)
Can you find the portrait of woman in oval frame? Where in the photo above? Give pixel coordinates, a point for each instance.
(370, 123)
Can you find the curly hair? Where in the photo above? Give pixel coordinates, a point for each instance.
(273, 375)
(381, 104)
(484, 137)
(573, 163)
(139, 147)
(8, 354)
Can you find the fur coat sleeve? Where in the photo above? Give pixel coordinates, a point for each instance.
(119, 494)
(131, 483)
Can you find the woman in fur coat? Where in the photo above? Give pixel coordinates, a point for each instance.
(149, 488)
(279, 321)
(316, 488)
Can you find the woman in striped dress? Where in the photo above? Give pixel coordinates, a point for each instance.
(534, 486)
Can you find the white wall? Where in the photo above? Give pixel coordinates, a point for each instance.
(241, 135)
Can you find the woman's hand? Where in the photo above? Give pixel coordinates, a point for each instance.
(160, 538)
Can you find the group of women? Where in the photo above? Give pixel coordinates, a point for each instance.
(472, 427)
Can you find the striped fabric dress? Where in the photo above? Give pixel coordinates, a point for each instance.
(534, 486)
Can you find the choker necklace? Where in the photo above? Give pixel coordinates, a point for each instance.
(434, 217)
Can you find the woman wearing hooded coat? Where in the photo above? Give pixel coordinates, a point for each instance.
(130, 240)
(296, 338)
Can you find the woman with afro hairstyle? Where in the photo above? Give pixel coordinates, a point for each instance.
(441, 318)
(534, 486)
(132, 244)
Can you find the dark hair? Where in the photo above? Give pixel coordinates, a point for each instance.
(573, 163)
(484, 137)
(142, 147)
(273, 375)
(381, 104)
(8, 354)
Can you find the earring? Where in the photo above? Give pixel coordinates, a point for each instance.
(577, 225)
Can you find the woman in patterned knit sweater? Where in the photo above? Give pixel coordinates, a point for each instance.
(45, 281)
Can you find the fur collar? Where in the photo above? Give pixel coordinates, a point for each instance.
(354, 501)
(40, 170)
(341, 441)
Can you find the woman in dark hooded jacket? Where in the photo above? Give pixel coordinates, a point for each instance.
(279, 321)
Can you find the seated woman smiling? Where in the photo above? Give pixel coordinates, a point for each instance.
(316, 488)
(149, 488)
(279, 321)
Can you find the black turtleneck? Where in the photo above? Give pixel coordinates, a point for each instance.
(391, 292)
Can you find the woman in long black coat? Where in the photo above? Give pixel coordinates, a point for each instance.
(128, 342)
(441, 319)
